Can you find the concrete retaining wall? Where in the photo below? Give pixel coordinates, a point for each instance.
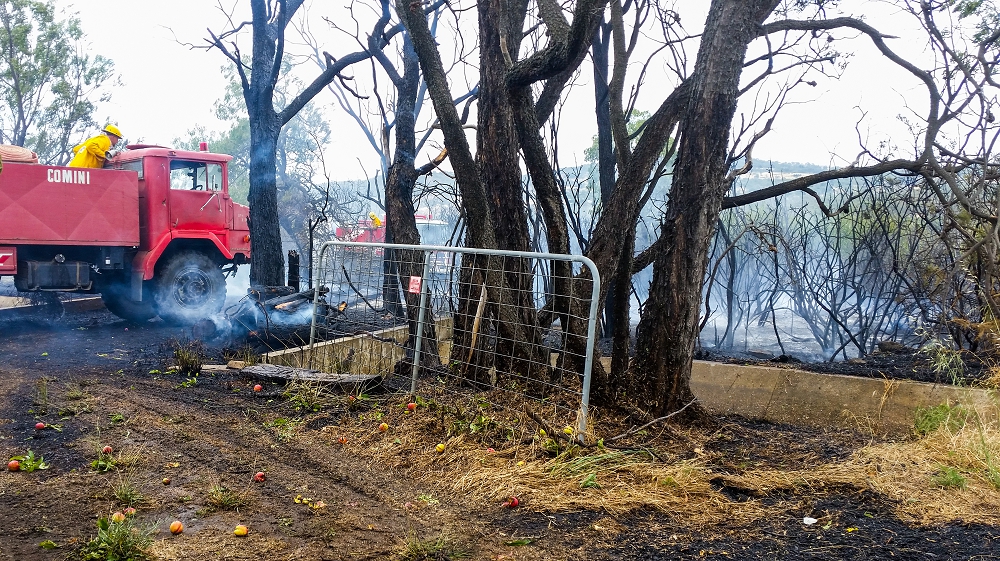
(777, 395)
(794, 396)
(373, 353)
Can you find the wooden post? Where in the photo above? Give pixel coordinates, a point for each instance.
(293, 269)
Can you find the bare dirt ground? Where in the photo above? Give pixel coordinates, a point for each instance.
(338, 488)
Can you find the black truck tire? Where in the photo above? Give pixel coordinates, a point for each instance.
(188, 288)
(116, 299)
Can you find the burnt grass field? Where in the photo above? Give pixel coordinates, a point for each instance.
(338, 488)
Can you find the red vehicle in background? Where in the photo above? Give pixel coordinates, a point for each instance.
(151, 232)
(372, 229)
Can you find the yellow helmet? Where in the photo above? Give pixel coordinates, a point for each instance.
(114, 130)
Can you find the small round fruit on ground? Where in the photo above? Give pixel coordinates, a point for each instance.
(241, 530)
(107, 450)
(118, 517)
(129, 511)
(411, 406)
(13, 465)
(39, 426)
(166, 481)
(440, 447)
(258, 388)
(259, 477)
(383, 427)
(176, 527)
(189, 287)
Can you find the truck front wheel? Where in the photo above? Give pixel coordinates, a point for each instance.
(188, 288)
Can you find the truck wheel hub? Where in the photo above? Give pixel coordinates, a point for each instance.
(192, 288)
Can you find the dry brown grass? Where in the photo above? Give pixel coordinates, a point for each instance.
(686, 486)
(904, 471)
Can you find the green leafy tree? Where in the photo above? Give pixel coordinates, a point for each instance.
(48, 83)
(635, 122)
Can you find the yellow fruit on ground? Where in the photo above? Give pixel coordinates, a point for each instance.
(568, 430)
(241, 530)
(440, 447)
(176, 527)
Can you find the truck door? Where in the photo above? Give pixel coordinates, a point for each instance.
(195, 197)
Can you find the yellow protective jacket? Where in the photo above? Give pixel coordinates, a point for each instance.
(91, 153)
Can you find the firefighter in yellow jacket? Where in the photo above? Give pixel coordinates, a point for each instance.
(93, 152)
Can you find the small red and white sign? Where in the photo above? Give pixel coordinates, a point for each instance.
(414, 285)
(8, 260)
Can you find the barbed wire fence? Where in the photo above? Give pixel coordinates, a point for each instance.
(497, 322)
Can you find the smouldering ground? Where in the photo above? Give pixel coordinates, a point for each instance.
(735, 490)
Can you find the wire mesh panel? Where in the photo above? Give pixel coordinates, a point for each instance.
(508, 322)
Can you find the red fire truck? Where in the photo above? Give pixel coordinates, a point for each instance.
(154, 232)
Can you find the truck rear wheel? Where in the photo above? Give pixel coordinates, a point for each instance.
(190, 287)
(116, 299)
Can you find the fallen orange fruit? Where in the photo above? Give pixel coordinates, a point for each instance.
(241, 530)
(176, 527)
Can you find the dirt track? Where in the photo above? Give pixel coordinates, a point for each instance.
(101, 387)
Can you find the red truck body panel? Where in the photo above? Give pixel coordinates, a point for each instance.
(54, 205)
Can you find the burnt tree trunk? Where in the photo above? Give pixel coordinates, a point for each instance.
(668, 330)
(399, 184)
(600, 45)
(267, 264)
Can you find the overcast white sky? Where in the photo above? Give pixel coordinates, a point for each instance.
(168, 88)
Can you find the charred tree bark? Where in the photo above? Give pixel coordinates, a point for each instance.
(668, 330)
(399, 184)
(268, 262)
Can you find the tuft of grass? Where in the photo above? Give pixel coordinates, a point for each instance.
(42, 398)
(221, 497)
(945, 361)
(189, 357)
(930, 419)
(950, 478)
(569, 466)
(118, 541)
(126, 493)
(74, 392)
(308, 395)
(245, 355)
(284, 428)
(441, 548)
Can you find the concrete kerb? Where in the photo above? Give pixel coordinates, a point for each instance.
(778, 395)
(806, 398)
